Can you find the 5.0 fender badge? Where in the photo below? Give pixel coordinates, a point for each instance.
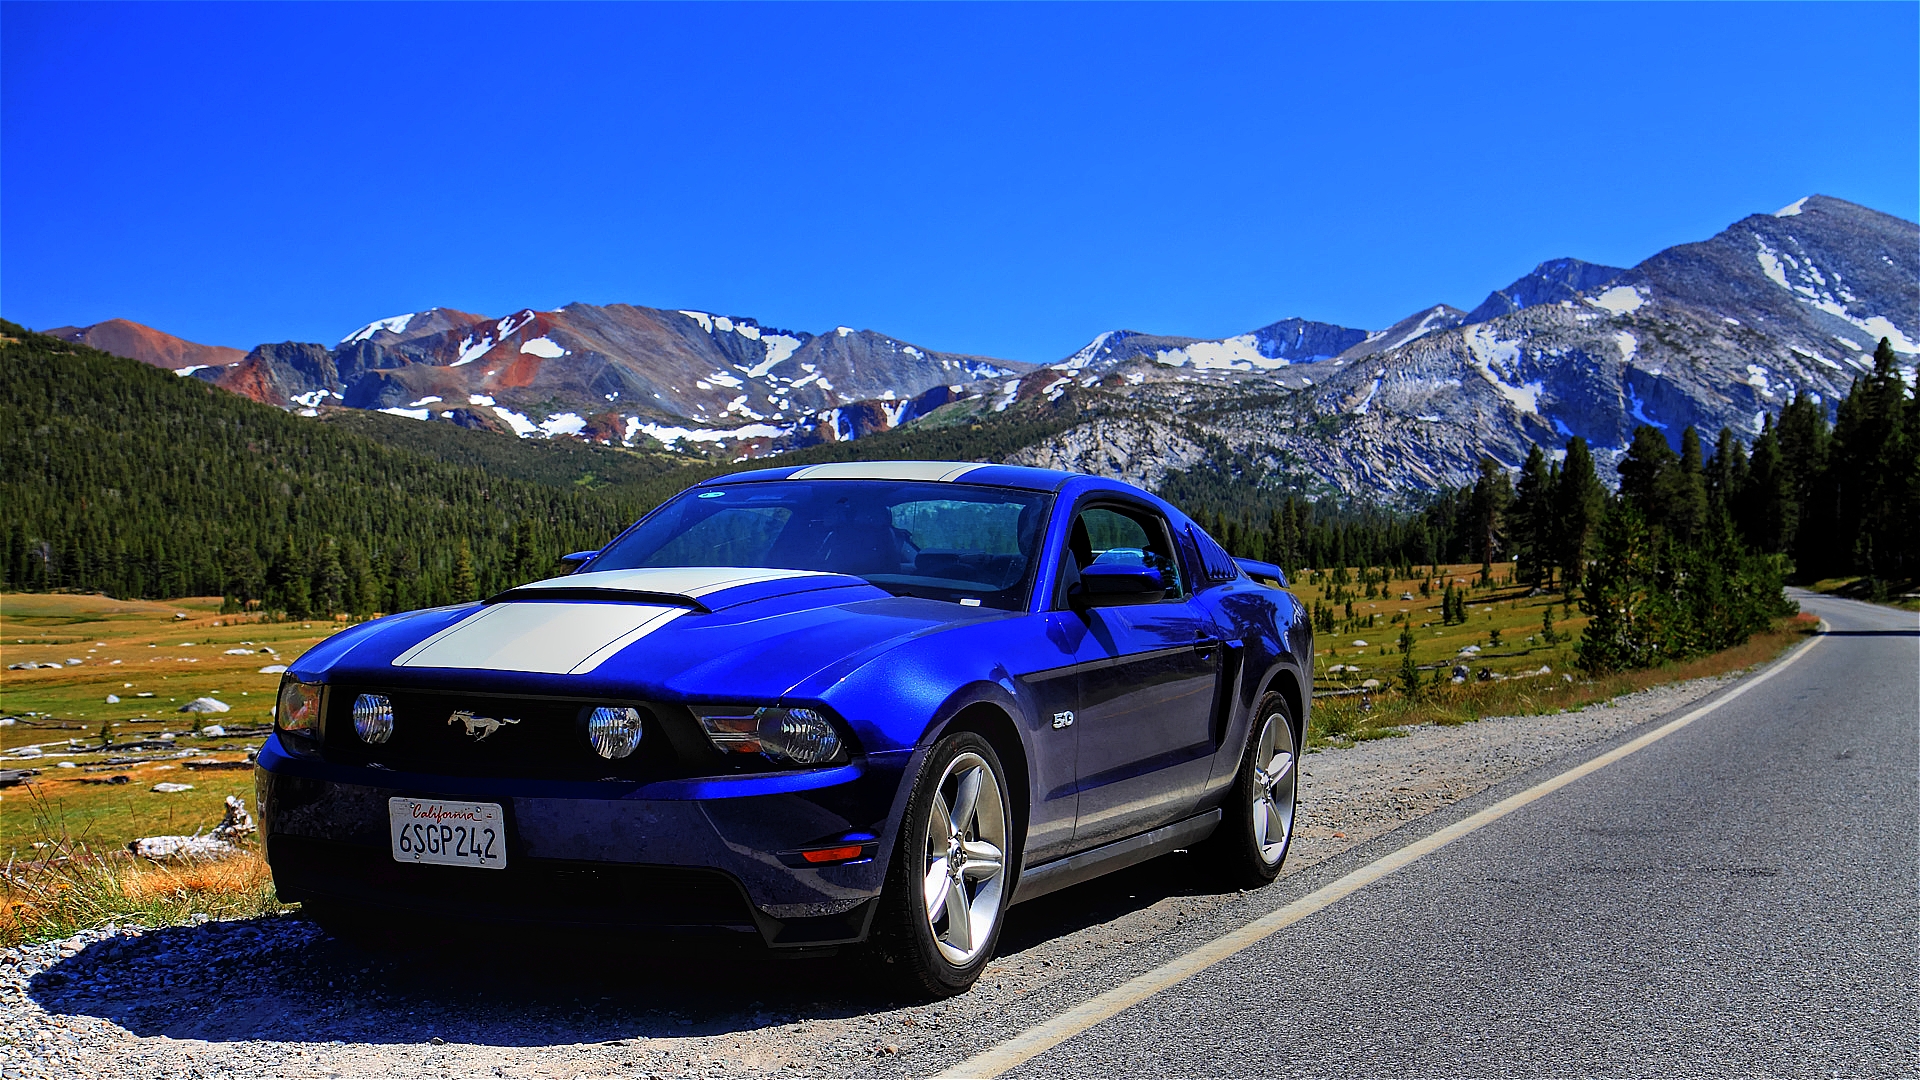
(1062, 720)
(479, 726)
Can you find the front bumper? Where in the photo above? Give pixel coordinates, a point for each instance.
(681, 856)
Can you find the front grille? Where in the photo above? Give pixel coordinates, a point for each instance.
(526, 890)
(546, 739)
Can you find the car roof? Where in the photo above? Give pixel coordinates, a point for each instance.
(971, 472)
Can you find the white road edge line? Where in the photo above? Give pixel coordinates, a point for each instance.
(1048, 1034)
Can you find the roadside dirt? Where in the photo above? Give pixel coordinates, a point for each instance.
(278, 997)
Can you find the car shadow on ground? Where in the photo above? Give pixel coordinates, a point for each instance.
(283, 978)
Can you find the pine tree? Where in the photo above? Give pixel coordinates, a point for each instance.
(1578, 501)
(1492, 495)
(465, 588)
(1644, 482)
(1533, 519)
(1683, 491)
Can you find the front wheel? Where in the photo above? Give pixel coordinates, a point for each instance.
(1257, 827)
(953, 870)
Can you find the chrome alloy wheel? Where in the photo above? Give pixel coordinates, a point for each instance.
(966, 843)
(1273, 788)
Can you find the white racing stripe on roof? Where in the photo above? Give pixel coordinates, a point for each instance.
(691, 582)
(887, 470)
(550, 638)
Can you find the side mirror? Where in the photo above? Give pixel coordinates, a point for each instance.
(1112, 585)
(576, 560)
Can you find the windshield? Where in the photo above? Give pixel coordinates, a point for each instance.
(958, 542)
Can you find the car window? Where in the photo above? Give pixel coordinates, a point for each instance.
(732, 536)
(972, 545)
(1120, 535)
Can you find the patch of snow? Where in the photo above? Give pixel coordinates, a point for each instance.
(543, 347)
(1849, 343)
(779, 347)
(412, 414)
(469, 352)
(726, 379)
(479, 399)
(565, 423)
(521, 426)
(842, 331)
(672, 436)
(1638, 408)
(1757, 378)
(428, 400)
(1498, 362)
(191, 368)
(1627, 344)
(512, 324)
(1881, 327)
(911, 351)
(1086, 354)
(1008, 393)
(1620, 300)
(396, 324)
(705, 320)
(1730, 320)
(1793, 208)
(1239, 353)
(311, 399)
(1428, 418)
(723, 324)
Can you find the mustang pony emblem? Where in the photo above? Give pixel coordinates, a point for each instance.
(479, 726)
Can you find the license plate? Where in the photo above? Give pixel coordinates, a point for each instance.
(448, 833)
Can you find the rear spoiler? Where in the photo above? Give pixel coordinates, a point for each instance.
(1265, 573)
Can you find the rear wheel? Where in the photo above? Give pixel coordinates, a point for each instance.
(1257, 827)
(953, 870)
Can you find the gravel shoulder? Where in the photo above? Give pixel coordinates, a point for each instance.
(277, 997)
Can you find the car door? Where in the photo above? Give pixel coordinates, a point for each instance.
(1148, 681)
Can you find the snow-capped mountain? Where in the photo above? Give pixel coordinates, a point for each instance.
(614, 373)
(1717, 333)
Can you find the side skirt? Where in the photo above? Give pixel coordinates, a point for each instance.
(1074, 869)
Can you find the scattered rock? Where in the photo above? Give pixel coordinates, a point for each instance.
(236, 823)
(213, 731)
(180, 848)
(205, 705)
(113, 699)
(179, 615)
(144, 693)
(1460, 672)
(1370, 684)
(239, 652)
(273, 669)
(74, 661)
(1359, 644)
(167, 787)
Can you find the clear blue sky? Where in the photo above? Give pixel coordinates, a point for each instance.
(999, 179)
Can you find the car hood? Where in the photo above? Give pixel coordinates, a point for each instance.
(689, 634)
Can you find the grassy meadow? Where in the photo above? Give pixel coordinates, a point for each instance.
(64, 830)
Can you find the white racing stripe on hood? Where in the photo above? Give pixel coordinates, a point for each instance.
(692, 582)
(550, 638)
(941, 471)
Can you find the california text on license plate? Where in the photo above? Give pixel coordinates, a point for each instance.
(448, 833)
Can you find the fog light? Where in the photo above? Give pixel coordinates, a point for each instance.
(373, 718)
(801, 736)
(614, 731)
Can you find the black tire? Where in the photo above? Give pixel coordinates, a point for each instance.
(1246, 852)
(915, 948)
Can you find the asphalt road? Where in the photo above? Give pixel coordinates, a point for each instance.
(1741, 897)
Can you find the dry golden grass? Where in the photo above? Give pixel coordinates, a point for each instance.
(1344, 720)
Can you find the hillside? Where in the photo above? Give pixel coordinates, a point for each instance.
(121, 477)
(124, 337)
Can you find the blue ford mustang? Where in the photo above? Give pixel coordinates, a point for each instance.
(870, 702)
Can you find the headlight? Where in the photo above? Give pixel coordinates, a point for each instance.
(800, 736)
(298, 711)
(373, 718)
(615, 732)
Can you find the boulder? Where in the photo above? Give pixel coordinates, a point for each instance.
(180, 848)
(169, 788)
(205, 705)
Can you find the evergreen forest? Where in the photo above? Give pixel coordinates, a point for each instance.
(126, 479)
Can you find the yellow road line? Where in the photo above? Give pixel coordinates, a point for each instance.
(1050, 1033)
